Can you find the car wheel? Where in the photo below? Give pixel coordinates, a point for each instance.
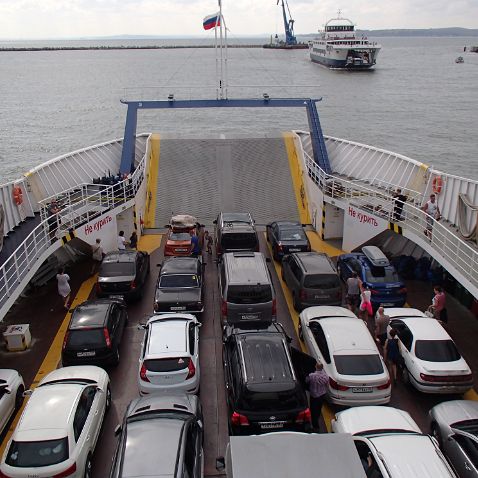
(282, 273)
(301, 334)
(295, 302)
(88, 468)
(108, 399)
(435, 433)
(19, 397)
(116, 359)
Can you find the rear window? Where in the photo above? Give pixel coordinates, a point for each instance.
(86, 337)
(358, 364)
(293, 235)
(272, 401)
(167, 365)
(321, 281)
(178, 280)
(437, 350)
(249, 294)
(116, 269)
(239, 240)
(37, 453)
(180, 236)
(381, 275)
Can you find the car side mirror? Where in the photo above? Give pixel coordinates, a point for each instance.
(142, 326)
(7, 391)
(71, 311)
(167, 226)
(215, 221)
(288, 338)
(268, 259)
(198, 325)
(159, 265)
(117, 430)
(200, 424)
(27, 393)
(220, 463)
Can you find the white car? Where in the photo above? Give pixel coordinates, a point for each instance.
(342, 343)
(432, 362)
(400, 312)
(391, 445)
(57, 432)
(11, 394)
(170, 354)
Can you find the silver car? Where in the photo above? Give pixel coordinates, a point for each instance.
(454, 424)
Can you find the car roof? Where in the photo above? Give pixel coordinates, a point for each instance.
(246, 268)
(120, 256)
(323, 311)
(180, 265)
(315, 262)
(429, 329)
(167, 400)
(236, 216)
(454, 411)
(90, 314)
(80, 373)
(168, 337)
(288, 224)
(397, 312)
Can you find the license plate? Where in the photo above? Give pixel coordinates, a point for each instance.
(178, 308)
(387, 304)
(268, 426)
(116, 296)
(361, 389)
(86, 354)
(321, 296)
(294, 249)
(181, 250)
(249, 317)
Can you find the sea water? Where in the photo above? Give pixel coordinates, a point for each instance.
(417, 101)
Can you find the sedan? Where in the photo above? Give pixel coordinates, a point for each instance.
(286, 237)
(335, 337)
(161, 435)
(11, 394)
(390, 444)
(454, 424)
(57, 432)
(432, 362)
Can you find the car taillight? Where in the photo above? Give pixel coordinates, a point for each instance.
(142, 373)
(3, 475)
(303, 416)
(336, 386)
(446, 378)
(384, 386)
(191, 370)
(224, 308)
(66, 473)
(65, 340)
(279, 247)
(257, 247)
(107, 337)
(308, 248)
(98, 287)
(302, 294)
(133, 284)
(403, 290)
(274, 306)
(239, 420)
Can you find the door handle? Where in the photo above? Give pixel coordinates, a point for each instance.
(88, 438)
(96, 412)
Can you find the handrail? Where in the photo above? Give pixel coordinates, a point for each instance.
(52, 228)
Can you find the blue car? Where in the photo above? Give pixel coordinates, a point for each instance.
(375, 271)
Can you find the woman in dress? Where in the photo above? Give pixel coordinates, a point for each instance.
(392, 354)
(64, 288)
(366, 310)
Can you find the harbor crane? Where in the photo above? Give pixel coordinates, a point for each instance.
(290, 39)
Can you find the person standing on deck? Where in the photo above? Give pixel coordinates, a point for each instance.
(381, 323)
(97, 256)
(195, 248)
(318, 382)
(121, 241)
(399, 202)
(433, 211)
(352, 296)
(64, 288)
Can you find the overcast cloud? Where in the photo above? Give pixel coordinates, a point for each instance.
(24, 19)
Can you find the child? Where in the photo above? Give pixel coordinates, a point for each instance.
(208, 242)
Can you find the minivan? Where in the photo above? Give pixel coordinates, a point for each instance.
(246, 289)
(235, 231)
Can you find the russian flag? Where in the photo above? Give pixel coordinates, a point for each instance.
(211, 21)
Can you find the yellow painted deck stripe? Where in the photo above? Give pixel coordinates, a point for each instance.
(297, 181)
(320, 245)
(149, 242)
(152, 182)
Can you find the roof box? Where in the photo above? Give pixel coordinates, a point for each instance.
(375, 256)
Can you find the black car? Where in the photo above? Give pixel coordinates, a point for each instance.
(286, 237)
(235, 231)
(264, 381)
(180, 286)
(123, 273)
(94, 333)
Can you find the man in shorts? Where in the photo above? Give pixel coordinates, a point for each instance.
(353, 292)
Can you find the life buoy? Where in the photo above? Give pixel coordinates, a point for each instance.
(437, 184)
(17, 195)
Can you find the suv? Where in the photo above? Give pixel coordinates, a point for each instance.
(123, 273)
(264, 392)
(235, 231)
(286, 237)
(376, 272)
(246, 290)
(94, 333)
(180, 286)
(312, 279)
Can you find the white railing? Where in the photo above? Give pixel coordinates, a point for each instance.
(78, 206)
(443, 240)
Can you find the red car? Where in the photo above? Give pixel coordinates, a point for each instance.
(178, 242)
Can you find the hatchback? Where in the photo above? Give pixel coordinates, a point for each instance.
(11, 394)
(161, 436)
(235, 231)
(170, 354)
(286, 237)
(178, 240)
(123, 273)
(60, 424)
(94, 333)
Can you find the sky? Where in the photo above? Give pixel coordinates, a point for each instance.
(50, 19)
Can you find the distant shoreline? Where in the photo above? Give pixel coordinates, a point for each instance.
(118, 47)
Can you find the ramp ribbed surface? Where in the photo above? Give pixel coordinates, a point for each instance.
(205, 176)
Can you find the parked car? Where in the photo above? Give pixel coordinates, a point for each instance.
(57, 432)
(161, 435)
(312, 279)
(264, 392)
(178, 240)
(339, 340)
(286, 237)
(123, 274)
(169, 358)
(94, 333)
(235, 231)
(402, 312)
(376, 272)
(454, 424)
(431, 360)
(11, 394)
(390, 444)
(180, 286)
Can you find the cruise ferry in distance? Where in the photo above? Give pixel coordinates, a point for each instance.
(338, 46)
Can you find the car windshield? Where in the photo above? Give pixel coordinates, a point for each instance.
(116, 269)
(27, 454)
(321, 281)
(292, 235)
(239, 240)
(180, 236)
(437, 350)
(85, 338)
(178, 280)
(167, 364)
(272, 401)
(358, 364)
(249, 294)
(378, 275)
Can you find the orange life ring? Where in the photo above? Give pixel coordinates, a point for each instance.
(437, 184)
(17, 195)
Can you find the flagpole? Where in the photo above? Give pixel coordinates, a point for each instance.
(221, 95)
(225, 56)
(215, 54)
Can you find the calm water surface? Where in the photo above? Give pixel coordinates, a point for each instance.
(416, 102)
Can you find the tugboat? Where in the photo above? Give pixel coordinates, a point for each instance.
(459, 60)
(338, 46)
